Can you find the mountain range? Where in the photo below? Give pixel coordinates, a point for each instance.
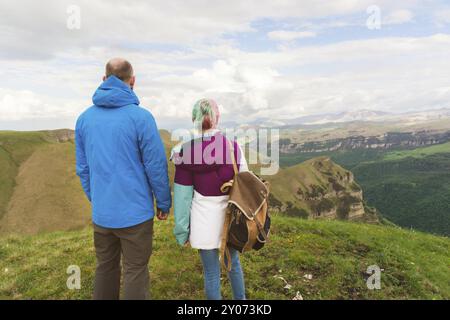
(40, 191)
(407, 118)
(320, 246)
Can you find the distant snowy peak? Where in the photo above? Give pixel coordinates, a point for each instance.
(428, 115)
(365, 115)
(362, 115)
(358, 115)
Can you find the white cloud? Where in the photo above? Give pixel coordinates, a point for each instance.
(24, 104)
(31, 29)
(442, 17)
(283, 35)
(49, 72)
(248, 85)
(399, 17)
(350, 75)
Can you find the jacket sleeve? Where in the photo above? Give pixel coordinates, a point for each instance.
(182, 212)
(82, 167)
(154, 161)
(183, 192)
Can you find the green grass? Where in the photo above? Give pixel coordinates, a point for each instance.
(351, 158)
(20, 144)
(15, 148)
(336, 254)
(47, 194)
(345, 158)
(39, 190)
(419, 152)
(411, 192)
(409, 187)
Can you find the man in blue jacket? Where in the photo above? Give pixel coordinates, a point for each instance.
(122, 166)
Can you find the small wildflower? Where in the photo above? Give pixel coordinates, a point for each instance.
(298, 296)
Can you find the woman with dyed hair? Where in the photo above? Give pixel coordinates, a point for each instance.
(202, 166)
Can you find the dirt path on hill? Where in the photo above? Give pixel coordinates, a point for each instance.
(47, 196)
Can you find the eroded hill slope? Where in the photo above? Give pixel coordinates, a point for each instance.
(39, 189)
(319, 188)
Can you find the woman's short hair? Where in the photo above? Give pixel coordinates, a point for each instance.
(205, 114)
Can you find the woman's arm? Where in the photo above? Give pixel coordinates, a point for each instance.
(182, 212)
(183, 192)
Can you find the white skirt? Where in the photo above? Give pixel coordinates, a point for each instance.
(207, 218)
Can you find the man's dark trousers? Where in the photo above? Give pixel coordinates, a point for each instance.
(134, 244)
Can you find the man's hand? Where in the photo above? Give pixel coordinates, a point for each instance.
(161, 215)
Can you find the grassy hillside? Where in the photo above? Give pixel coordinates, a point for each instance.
(39, 190)
(168, 145)
(413, 192)
(302, 176)
(351, 158)
(347, 159)
(409, 187)
(15, 148)
(47, 195)
(334, 254)
(419, 152)
(318, 188)
(319, 259)
(42, 192)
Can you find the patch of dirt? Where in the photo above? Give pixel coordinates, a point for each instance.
(48, 195)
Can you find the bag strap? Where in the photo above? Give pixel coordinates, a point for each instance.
(233, 159)
(224, 250)
(225, 256)
(227, 185)
(261, 228)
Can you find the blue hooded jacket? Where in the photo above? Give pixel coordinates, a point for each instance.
(120, 158)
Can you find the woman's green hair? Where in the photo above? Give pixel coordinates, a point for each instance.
(205, 114)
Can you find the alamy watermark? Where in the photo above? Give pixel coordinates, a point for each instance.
(373, 22)
(261, 146)
(74, 280)
(73, 21)
(374, 280)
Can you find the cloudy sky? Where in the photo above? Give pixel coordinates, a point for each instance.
(259, 59)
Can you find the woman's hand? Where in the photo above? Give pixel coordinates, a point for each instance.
(186, 244)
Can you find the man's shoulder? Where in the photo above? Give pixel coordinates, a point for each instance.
(140, 111)
(140, 114)
(85, 113)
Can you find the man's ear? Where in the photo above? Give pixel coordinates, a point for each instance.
(104, 78)
(132, 81)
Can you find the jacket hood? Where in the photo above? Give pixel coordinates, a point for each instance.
(114, 93)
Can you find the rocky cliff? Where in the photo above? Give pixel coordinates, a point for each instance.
(319, 188)
(61, 135)
(385, 141)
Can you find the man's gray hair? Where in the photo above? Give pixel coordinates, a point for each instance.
(120, 68)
